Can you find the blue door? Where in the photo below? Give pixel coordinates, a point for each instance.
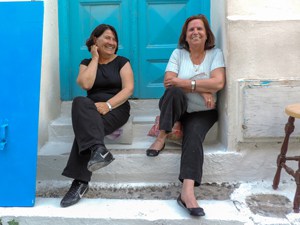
(148, 33)
(21, 30)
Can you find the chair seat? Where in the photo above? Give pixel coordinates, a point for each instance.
(293, 110)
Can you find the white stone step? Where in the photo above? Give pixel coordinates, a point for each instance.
(138, 107)
(237, 210)
(143, 113)
(60, 130)
(121, 212)
(130, 165)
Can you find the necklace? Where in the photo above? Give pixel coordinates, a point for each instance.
(197, 66)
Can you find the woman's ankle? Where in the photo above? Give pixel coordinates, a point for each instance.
(162, 136)
(188, 194)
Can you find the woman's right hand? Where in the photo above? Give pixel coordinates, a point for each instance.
(94, 51)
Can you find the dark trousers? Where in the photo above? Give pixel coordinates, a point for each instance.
(90, 127)
(173, 106)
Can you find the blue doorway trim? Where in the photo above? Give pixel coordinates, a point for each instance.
(64, 47)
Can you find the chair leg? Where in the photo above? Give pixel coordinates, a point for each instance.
(289, 128)
(297, 194)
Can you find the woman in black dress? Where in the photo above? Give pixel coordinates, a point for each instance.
(108, 80)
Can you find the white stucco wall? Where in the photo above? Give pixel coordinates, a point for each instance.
(50, 85)
(264, 9)
(263, 42)
(218, 25)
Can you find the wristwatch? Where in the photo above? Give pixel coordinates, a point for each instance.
(193, 85)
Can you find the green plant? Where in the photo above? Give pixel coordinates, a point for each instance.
(13, 222)
(0, 222)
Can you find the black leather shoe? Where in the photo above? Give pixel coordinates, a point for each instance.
(99, 158)
(152, 152)
(75, 193)
(192, 211)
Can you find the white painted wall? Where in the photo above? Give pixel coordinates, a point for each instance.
(264, 9)
(219, 29)
(50, 85)
(263, 42)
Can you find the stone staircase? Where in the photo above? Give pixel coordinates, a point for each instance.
(131, 164)
(133, 176)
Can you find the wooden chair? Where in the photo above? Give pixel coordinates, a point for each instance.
(293, 111)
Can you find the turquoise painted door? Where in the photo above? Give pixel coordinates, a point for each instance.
(148, 33)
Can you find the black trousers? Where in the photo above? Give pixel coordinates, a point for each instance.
(90, 127)
(173, 106)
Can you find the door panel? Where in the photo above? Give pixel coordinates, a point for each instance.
(21, 32)
(159, 28)
(148, 33)
(85, 16)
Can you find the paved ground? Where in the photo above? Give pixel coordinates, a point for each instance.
(264, 204)
(206, 192)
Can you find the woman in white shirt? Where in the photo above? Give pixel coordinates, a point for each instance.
(194, 74)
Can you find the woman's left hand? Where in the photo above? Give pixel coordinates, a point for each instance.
(209, 100)
(170, 81)
(102, 107)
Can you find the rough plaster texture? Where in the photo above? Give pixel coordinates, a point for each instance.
(264, 9)
(219, 29)
(262, 43)
(50, 90)
(257, 50)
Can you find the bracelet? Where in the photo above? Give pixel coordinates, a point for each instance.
(193, 85)
(109, 106)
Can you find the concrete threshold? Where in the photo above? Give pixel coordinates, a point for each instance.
(107, 211)
(254, 203)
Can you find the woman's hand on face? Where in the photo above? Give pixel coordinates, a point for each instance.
(94, 51)
(102, 107)
(209, 100)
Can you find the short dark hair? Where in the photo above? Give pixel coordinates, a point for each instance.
(210, 42)
(98, 31)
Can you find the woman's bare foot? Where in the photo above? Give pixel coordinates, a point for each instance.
(189, 200)
(158, 144)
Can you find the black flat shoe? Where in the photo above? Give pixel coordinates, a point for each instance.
(152, 152)
(192, 211)
(100, 157)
